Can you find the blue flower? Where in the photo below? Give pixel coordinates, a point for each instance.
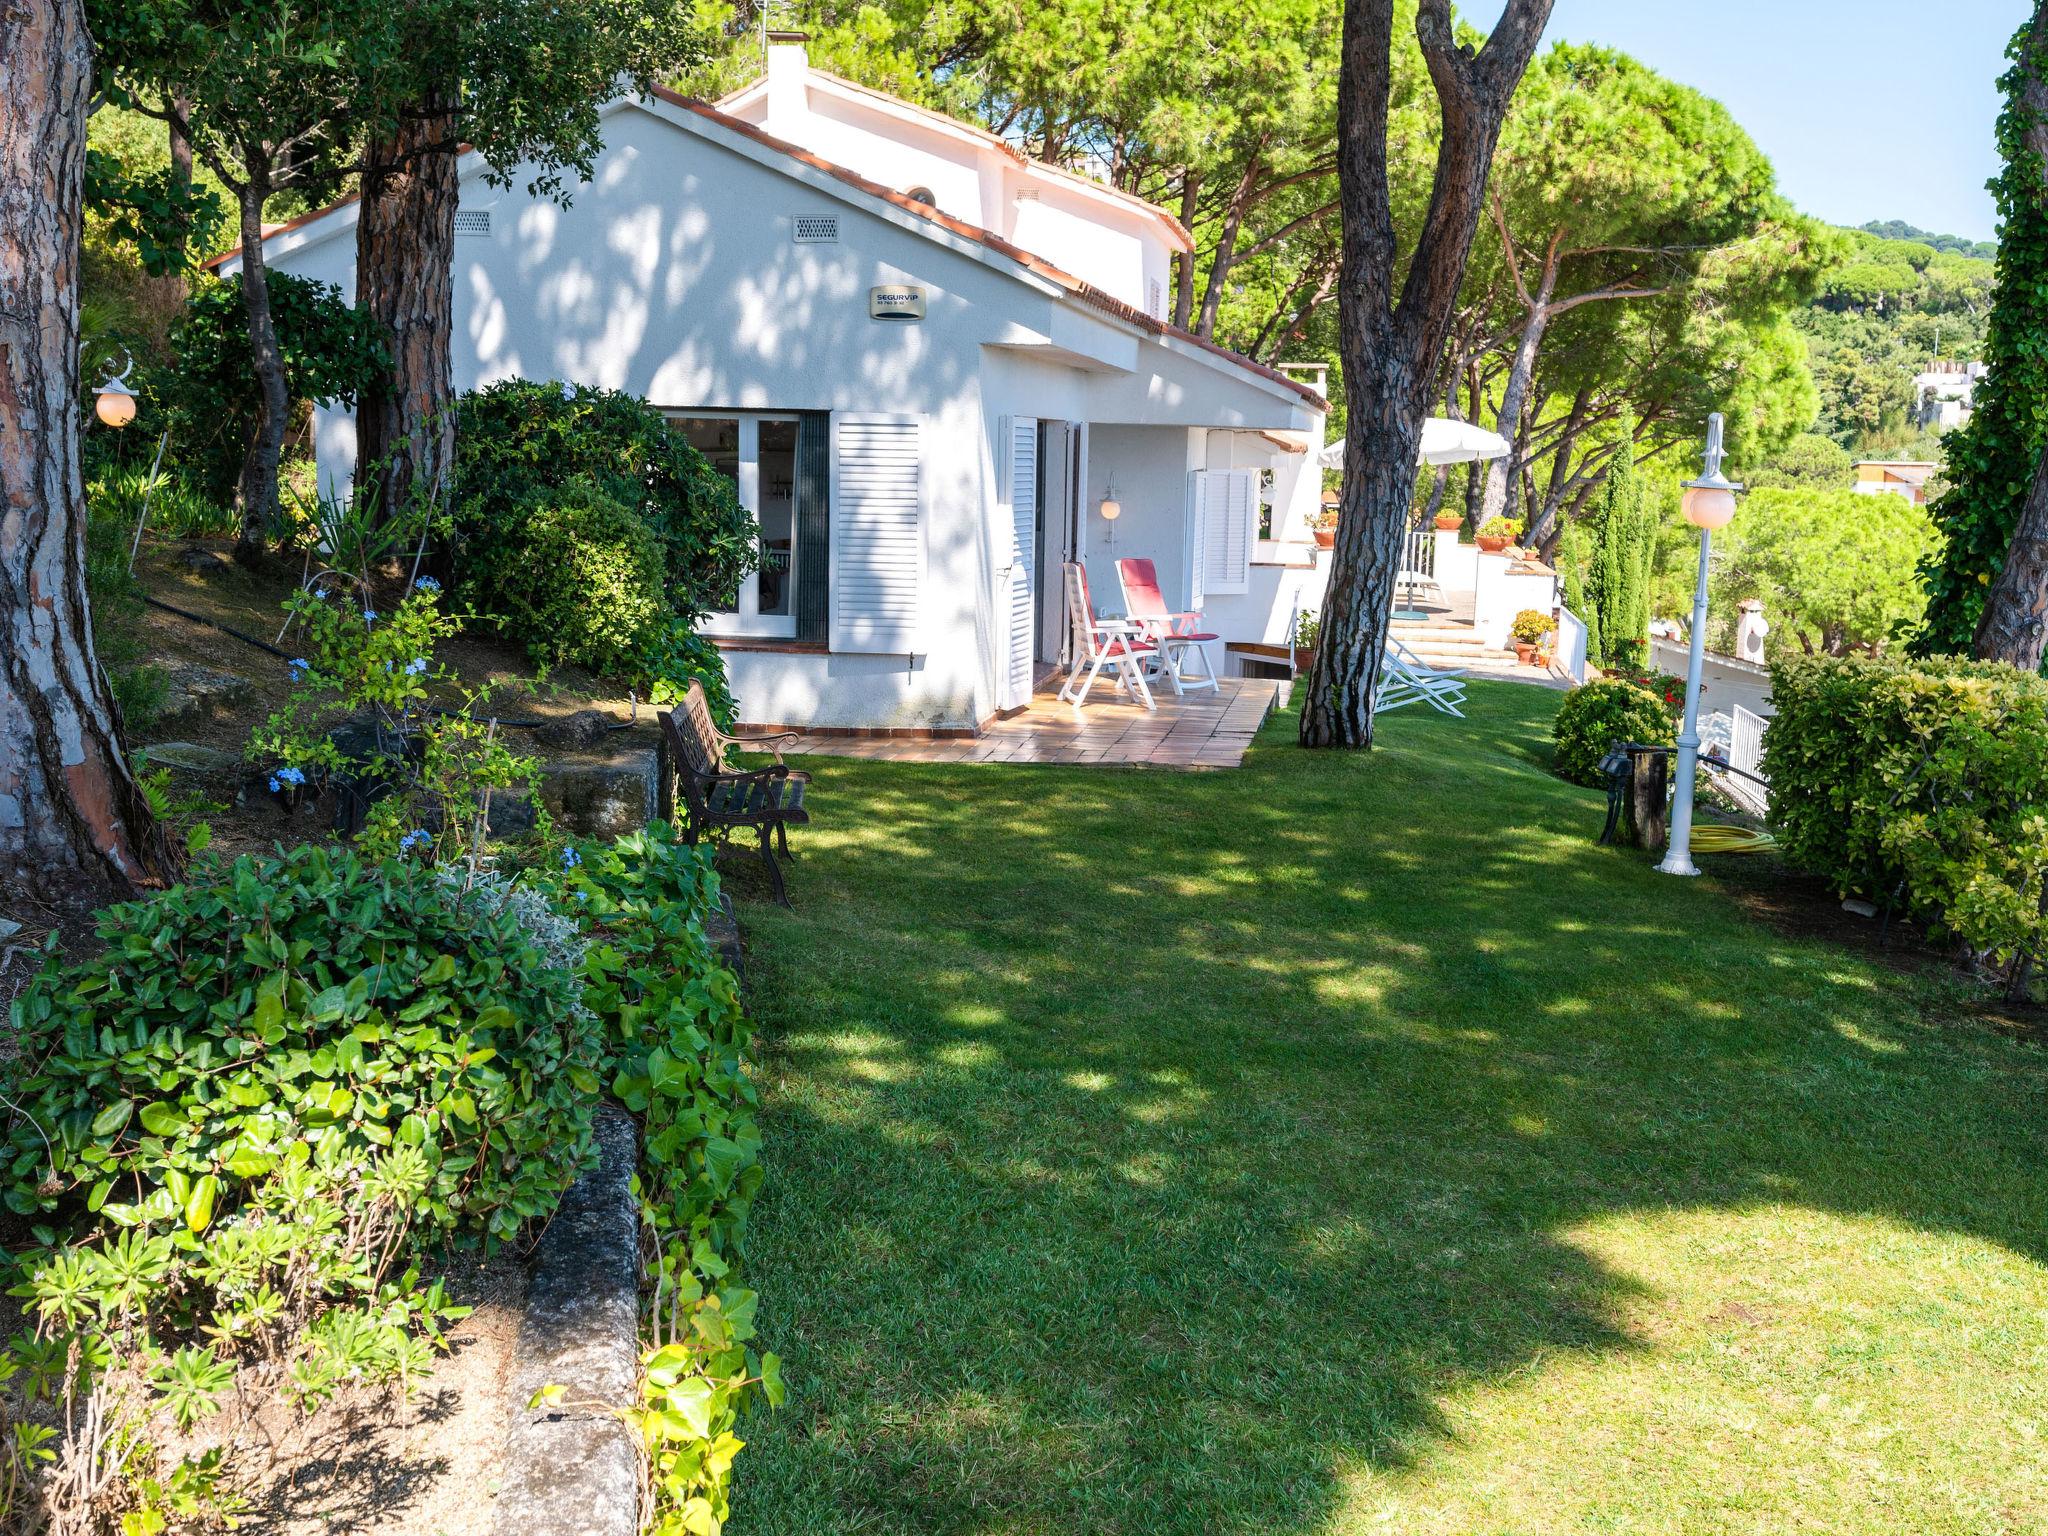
(291, 775)
(427, 584)
(416, 666)
(412, 840)
(369, 615)
(570, 858)
(298, 666)
(274, 785)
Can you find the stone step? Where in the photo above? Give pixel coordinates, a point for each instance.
(1475, 645)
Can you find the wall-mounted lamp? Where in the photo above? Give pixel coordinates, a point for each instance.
(1111, 508)
(114, 402)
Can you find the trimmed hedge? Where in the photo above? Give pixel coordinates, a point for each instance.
(1921, 784)
(1596, 715)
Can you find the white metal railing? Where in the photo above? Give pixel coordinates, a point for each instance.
(1418, 555)
(1570, 656)
(1746, 752)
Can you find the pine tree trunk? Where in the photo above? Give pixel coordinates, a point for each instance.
(1514, 403)
(1393, 337)
(273, 404)
(72, 822)
(405, 262)
(1184, 261)
(1381, 440)
(181, 147)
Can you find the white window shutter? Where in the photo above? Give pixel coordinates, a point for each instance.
(1016, 589)
(877, 534)
(1229, 517)
(1197, 533)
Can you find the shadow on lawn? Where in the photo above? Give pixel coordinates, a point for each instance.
(1145, 1149)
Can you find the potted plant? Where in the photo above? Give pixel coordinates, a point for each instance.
(1448, 522)
(1308, 627)
(1531, 628)
(1497, 533)
(1323, 524)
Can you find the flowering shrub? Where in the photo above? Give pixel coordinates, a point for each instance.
(1666, 687)
(1531, 625)
(1596, 715)
(440, 767)
(1923, 783)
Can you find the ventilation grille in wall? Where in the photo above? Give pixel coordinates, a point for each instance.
(816, 228)
(473, 223)
(1027, 195)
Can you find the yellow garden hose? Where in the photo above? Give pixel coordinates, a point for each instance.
(1718, 837)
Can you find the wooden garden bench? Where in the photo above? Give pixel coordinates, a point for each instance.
(716, 800)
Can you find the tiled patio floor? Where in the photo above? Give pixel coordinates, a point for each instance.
(1198, 730)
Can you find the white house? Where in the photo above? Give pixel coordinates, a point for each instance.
(1945, 393)
(925, 359)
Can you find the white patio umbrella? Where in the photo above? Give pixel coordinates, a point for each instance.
(1444, 441)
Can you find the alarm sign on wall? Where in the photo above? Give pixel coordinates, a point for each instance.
(896, 301)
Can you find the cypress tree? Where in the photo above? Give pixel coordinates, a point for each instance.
(1621, 566)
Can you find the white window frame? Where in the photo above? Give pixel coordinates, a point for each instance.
(747, 620)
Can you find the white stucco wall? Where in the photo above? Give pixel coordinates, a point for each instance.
(1118, 247)
(1149, 467)
(673, 275)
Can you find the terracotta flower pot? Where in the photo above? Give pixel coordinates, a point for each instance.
(1524, 652)
(1303, 655)
(1492, 545)
(1447, 522)
(1326, 538)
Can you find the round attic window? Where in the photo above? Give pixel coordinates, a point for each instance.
(921, 195)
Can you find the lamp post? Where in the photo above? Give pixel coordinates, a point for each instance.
(1708, 503)
(114, 402)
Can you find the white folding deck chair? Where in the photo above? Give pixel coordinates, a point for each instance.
(1116, 644)
(1178, 635)
(1406, 679)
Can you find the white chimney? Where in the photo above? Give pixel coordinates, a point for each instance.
(789, 68)
(1750, 629)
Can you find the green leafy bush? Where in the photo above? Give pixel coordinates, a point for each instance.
(309, 1001)
(675, 1044)
(519, 440)
(1531, 625)
(331, 350)
(1596, 715)
(1923, 783)
(176, 510)
(576, 574)
(678, 656)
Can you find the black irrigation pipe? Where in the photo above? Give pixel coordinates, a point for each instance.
(265, 645)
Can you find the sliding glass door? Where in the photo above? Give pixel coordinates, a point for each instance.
(758, 453)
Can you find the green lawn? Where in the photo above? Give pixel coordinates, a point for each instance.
(1348, 1144)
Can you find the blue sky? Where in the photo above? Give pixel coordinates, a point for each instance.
(1869, 109)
